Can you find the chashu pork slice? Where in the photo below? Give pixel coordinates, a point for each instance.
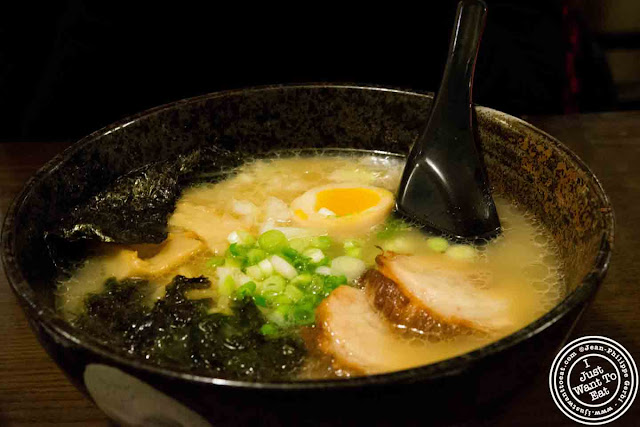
(359, 339)
(435, 296)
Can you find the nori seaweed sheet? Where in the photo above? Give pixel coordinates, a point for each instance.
(179, 332)
(135, 208)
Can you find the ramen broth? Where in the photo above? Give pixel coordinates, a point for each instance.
(333, 210)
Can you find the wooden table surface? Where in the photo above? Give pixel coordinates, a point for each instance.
(34, 392)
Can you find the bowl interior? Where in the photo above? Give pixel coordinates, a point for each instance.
(524, 163)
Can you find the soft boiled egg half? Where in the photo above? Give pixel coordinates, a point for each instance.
(343, 209)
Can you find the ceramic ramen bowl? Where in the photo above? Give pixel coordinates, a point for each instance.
(524, 163)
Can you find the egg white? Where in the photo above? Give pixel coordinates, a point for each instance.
(306, 215)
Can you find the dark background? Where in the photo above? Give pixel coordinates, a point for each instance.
(68, 68)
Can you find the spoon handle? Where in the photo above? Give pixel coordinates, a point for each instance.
(445, 183)
(455, 95)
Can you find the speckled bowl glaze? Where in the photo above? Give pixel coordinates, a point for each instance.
(523, 162)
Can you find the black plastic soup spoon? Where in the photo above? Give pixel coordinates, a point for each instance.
(444, 186)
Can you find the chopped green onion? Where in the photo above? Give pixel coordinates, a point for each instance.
(323, 271)
(302, 280)
(438, 244)
(462, 252)
(316, 287)
(282, 300)
(247, 289)
(272, 241)
(282, 267)
(400, 244)
(352, 248)
(233, 262)
(276, 317)
(314, 254)
(308, 300)
(237, 250)
(245, 238)
(233, 237)
(354, 252)
(255, 255)
(268, 329)
(227, 286)
(255, 272)
(266, 267)
(321, 242)
(287, 279)
(290, 253)
(273, 284)
(303, 315)
(284, 310)
(241, 237)
(215, 261)
(391, 227)
(300, 244)
(299, 261)
(293, 293)
(260, 300)
(241, 278)
(333, 282)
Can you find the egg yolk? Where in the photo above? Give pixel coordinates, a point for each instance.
(346, 201)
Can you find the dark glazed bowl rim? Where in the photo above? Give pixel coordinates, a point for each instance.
(65, 333)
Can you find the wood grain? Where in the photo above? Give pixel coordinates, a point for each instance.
(34, 392)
